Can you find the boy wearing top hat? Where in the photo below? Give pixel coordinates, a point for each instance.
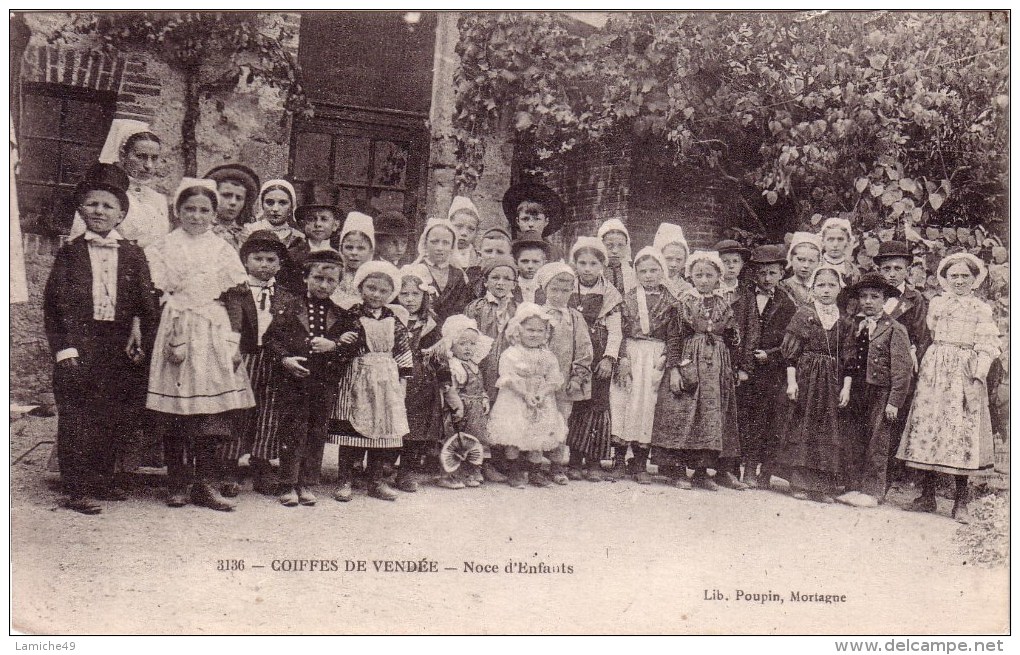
(392, 234)
(100, 313)
(881, 372)
(762, 394)
(312, 341)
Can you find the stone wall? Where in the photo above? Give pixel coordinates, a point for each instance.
(499, 152)
(31, 366)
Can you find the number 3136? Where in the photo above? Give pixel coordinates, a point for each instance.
(230, 565)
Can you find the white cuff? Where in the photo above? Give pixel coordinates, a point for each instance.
(66, 353)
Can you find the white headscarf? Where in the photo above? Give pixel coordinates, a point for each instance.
(287, 186)
(642, 301)
(455, 326)
(547, 272)
(422, 274)
(358, 222)
(190, 183)
(524, 311)
(121, 129)
(956, 258)
(827, 267)
(709, 256)
(836, 223)
(593, 243)
(431, 224)
(667, 234)
(379, 268)
(802, 238)
(462, 203)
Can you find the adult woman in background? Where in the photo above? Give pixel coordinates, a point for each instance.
(135, 149)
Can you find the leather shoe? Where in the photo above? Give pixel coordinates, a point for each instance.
(406, 483)
(111, 493)
(730, 481)
(539, 479)
(382, 491)
(83, 505)
(492, 474)
(177, 498)
(231, 489)
(206, 495)
(289, 498)
(449, 482)
(344, 493)
(923, 504)
(702, 481)
(306, 497)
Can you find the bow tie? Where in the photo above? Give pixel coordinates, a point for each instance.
(102, 242)
(767, 294)
(867, 323)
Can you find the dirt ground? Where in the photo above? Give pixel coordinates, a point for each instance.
(615, 558)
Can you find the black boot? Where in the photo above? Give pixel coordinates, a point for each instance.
(619, 470)
(639, 465)
(926, 501)
(960, 511)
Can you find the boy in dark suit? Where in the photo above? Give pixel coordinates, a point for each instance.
(881, 370)
(319, 223)
(761, 397)
(910, 309)
(313, 341)
(100, 314)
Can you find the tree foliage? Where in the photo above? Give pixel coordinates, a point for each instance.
(214, 51)
(897, 120)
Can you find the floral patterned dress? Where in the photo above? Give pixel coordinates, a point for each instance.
(949, 427)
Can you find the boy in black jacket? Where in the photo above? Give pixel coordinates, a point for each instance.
(100, 314)
(313, 341)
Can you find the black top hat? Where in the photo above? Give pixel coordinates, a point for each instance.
(324, 257)
(769, 254)
(104, 177)
(262, 240)
(532, 239)
(729, 245)
(317, 194)
(874, 281)
(535, 192)
(893, 249)
(392, 223)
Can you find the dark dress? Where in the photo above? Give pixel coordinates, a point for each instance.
(492, 324)
(696, 427)
(590, 425)
(812, 441)
(452, 298)
(430, 374)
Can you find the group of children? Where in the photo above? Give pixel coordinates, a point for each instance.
(267, 340)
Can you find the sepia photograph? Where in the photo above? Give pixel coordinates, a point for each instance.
(476, 322)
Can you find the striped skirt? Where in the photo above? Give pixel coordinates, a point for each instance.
(341, 430)
(257, 428)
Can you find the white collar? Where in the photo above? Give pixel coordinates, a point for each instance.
(113, 235)
(255, 282)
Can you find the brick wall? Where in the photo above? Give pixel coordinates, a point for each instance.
(628, 179)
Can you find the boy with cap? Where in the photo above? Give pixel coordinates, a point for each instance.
(237, 187)
(910, 309)
(319, 223)
(881, 372)
(531, 252)
(392, 235)
(532, 207)
(100, 314)
(762, 394)
(263, 255)
(312, 341)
